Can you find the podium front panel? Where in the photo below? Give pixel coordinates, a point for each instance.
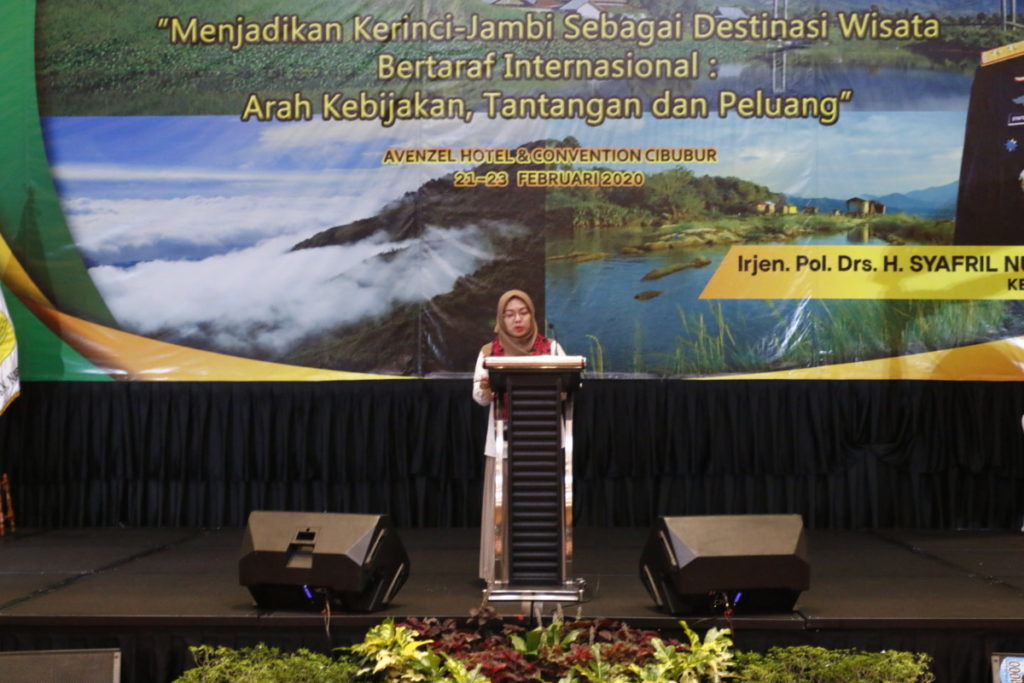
(535, 482)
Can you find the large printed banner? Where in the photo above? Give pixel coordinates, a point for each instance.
(333, 189)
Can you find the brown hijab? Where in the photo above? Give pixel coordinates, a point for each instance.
(514, 346)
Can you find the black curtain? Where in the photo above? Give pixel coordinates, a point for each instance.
(844, 454)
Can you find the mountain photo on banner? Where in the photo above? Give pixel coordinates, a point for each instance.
(291, 242)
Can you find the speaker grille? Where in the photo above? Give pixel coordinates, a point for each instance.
(535, 486)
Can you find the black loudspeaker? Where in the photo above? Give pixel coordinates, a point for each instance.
(743, 563)
(309, 560)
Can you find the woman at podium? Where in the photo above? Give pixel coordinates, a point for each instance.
(516, 335)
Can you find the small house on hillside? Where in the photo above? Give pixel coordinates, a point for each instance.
(584, 8)
(729, 13)
(767, 208)
(858, 206)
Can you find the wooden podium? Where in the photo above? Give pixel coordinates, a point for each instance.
(533, 398)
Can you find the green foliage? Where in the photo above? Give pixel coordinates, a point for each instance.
(710, 660)
(596, 354)
(835, 331)
(459, 673)
(853, 330)
(433, 650)
(969, 39)
(708, 345)
(901, 228)
(263, 664)
(392, 653)
(807, 664)
(672, 196)
(597, 670)
(533, 642)
(94, 59)
(638, 348)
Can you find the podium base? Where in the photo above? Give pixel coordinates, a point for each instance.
(570, 591)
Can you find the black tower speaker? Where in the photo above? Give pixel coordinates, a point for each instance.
(706, 565)
(306, 560)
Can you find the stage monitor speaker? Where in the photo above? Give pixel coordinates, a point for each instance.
(306, 560)
(743, 563)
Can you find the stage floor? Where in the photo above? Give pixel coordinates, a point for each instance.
(873, 589)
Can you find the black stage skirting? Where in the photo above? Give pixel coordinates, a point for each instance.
(153, 592)
(844, 454)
